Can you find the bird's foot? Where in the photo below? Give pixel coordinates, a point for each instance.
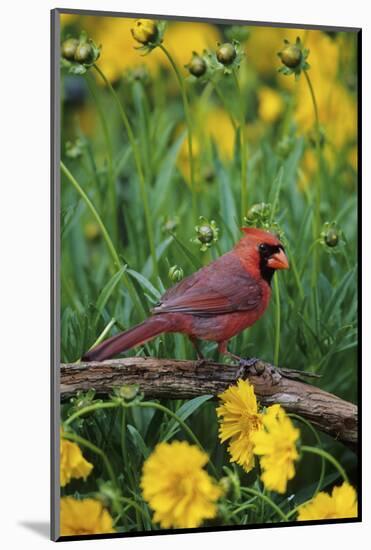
(248, 362)
(253, 366)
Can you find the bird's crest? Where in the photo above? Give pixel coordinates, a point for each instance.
(261, 235)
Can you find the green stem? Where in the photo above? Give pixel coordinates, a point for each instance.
(327, 456)
(125, 457)
(318, 439)
(317, 217)
(107, 238)
(266, 499)
(277, 321)
(186, 428)
(242, 149)
(111, 177)
(93, 210)
(139, 168)
(315, 107)
(297, 276)
(305, 262)
(189, 125)
(88, 409)
(77, 439)
(133, 504)
(242, 508)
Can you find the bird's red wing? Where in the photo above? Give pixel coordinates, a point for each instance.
(214, 290)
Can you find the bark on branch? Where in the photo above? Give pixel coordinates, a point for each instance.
(169, 378)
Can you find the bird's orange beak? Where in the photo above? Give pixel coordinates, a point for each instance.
(278, 261)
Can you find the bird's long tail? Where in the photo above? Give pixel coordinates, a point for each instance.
(150, 328)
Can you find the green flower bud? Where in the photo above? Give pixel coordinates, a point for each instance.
(69, 47)
(197, 66)
(291, 56)
(225, 484)
(144, 31)
(170, 224)
(78, 55)
(75, 149)
(259, 211)
(108, 494)
(332, 237)
(226, 53)
(127, 392)
(84, 53)
(176, 274)
(82, 400)
(205, 234)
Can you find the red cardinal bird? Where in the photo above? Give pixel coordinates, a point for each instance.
(215, 303)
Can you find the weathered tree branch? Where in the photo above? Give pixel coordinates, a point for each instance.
(169, 378)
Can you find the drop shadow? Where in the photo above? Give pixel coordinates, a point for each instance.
(41, 528)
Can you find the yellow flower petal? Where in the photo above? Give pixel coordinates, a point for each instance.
(72, 462)
(276, 446)
(341, 504)
(176, 486)
(239, 420)
(84, 517)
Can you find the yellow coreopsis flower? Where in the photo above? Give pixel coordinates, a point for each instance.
(341, 504)
(72, 462)
(84, 517)
(176, 486)
(240, 419)
(276, 446)
(270, 104)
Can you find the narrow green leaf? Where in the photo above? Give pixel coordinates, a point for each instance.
(166, 172)
(107, 291)
(339, 294)
(138, 441)
(144, 282)
(184, 412)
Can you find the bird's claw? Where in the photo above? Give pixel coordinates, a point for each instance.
(248, 363)
(252, 366)
(257, 367)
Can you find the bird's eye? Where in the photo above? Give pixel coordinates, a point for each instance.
(263, 248)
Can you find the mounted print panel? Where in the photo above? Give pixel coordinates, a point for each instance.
(205, 286)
